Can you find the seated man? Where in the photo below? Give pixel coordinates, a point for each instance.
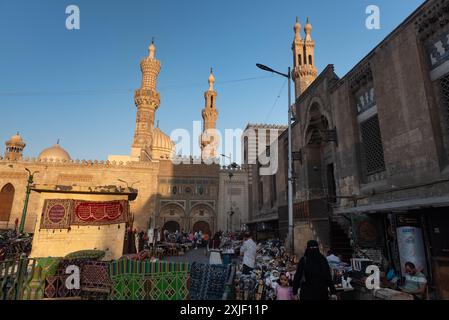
(332, 258)
(415, 282)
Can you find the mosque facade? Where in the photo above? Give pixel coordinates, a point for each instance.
(187, 196)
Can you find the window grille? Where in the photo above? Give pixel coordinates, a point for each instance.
(444, 84)
(373, 154)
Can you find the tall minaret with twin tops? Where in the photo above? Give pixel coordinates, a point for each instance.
(209, 140)
(304, 71)
(147, 100)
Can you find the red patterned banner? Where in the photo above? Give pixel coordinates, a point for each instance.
(99, 213)
(56, 214)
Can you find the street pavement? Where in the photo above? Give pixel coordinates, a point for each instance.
(195, 255)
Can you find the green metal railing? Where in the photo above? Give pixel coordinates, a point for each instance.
(21, 279)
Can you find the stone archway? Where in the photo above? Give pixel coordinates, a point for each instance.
(203, 226)
(171, 226)
(172, 212)
(6, 201)
(202, 215)
(315, 144)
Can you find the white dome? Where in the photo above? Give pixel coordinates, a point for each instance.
(161, 147)
(55, 153)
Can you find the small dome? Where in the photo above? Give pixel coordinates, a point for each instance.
(16, 138)
(308, 27)
(297, 27)
(15, 141)
(211, 80)
(161, 146)
(54, 153)
(152, 49)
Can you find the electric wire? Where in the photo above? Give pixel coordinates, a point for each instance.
(118, 91)
(275, 101)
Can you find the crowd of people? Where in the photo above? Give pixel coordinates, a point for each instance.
(313, 279)
(197, 239)
(310, 278)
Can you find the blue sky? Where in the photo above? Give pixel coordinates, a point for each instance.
(77, 86)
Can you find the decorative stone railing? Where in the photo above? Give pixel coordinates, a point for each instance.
(83, 162)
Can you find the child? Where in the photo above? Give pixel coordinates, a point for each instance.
(283, 290)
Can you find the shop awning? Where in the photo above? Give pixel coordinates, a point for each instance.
(402, 205)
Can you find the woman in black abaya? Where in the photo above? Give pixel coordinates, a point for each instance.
(313, 275)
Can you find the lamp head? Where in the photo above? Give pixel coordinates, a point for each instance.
(263, 67)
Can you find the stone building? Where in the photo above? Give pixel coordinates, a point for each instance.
(266, 179)
(371, 151)
(391, 172)
(268, 209)
(175, 197)
(233, 203)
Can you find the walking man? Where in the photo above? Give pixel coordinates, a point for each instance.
(248, 250)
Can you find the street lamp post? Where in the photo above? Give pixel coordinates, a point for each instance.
(290, 169)
(27, 197)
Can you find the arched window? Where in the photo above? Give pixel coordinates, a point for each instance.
(310, 59)
(6, 200)
(300, 59)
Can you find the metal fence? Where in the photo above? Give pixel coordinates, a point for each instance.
(21, 279)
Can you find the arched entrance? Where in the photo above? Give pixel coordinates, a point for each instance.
(6, 200)
(203, 226)
(171, 226)
(315, 145)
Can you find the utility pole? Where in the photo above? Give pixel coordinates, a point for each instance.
(290, 168)
(290, 240)
(27, 198)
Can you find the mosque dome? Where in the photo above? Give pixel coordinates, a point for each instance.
(55, 153)
(162, 147)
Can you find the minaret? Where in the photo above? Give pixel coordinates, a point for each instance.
(304, 71)
(147, 100)
(14, 148)
(210, 115)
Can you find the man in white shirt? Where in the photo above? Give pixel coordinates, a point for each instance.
(248, 250)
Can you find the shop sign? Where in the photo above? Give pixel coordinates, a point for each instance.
(410, 242)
